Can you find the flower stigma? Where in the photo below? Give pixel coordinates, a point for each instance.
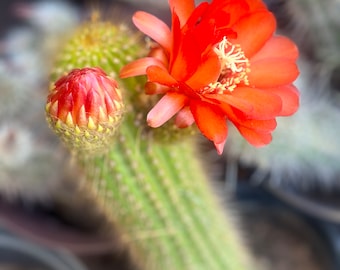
(235, 67)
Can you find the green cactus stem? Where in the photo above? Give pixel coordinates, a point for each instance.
(155, 191)
(160, 196)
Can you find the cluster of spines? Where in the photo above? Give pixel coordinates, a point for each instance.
(93, 138)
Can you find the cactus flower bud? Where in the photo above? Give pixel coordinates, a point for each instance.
(85, 108)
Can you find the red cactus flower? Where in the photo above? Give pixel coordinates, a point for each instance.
(85, 107)
(219, 61)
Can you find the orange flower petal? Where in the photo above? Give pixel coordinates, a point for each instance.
(290, 99)
(262, 126)
(234, 9)
(210, 120)
(159, 53)
(239, 103)
(184, 118)
(139, 66)
(255, 138)
(154, 28)
(266, 105)
(271, 72)
(277, 47)
(166, 108)
(208, 71)
(152, 88)
(160, 75)
(220, 147)
(186, 55)
(183, 9)
(256, 4)
(253, 31)
(240, 119)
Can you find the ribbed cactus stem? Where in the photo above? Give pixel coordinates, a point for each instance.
(155, 191)
(161, 199)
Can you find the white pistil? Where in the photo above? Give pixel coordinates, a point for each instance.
(234, 68)
(231, 56)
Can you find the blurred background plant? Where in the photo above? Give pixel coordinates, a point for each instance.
(302, 162)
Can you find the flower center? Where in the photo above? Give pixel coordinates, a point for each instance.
(234, 68)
